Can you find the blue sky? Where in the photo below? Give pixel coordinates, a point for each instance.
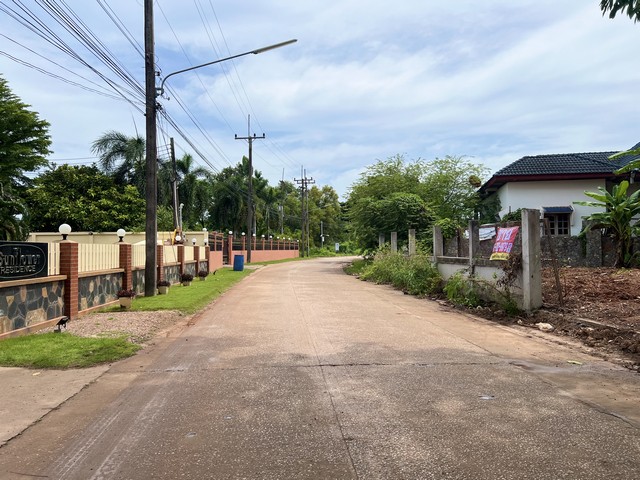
(492, 80)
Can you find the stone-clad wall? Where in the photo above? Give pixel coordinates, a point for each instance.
(98, 289)
(25, 305)
(172, 273)
(138, 281)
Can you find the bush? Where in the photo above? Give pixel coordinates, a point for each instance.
(414, 275)
(164, 283)
(126, 293)
(462, 291)
(186, 277)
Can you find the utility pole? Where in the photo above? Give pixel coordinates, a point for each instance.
(151, 182)
(321, 234)
(174, 186)
(250, 229)
(304, 183)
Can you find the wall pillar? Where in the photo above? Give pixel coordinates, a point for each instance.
(196, 257)
(381, 240)
(160, 262)
(69, 268)
(394, 242)
(230, 249)
(474, 242)
(181, 259)
(438, 243)
(412, 242)
(531, 261)
(207, 257)
(125, 264)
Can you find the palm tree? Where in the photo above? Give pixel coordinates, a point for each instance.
(122, 157)
(192, 189)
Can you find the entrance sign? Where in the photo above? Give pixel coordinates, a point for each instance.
(504, 243)
(20, 260)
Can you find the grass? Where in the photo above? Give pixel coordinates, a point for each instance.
(63, 350)
(189, 299)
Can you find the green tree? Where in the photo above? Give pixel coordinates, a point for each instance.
(442, 191)
(620, 210)
(324, 206)
(122, 158)
(194, 191)
(86, 199)
(24, 144)
(632, 8)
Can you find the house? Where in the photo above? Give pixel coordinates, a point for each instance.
(551, 183)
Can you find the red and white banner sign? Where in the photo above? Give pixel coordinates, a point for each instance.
(504, 243)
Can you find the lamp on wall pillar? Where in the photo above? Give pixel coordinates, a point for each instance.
(121, 233)
(193, 241)
(64, 229)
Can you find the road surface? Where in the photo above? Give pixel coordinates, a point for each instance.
(301, 372)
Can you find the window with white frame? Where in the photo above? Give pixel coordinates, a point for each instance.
(559, 219)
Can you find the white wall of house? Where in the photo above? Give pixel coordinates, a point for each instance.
(558, 193)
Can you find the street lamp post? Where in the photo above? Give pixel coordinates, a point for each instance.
(151, 183)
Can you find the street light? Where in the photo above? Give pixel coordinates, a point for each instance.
(151, 107)
(121, 233)
(160, 90)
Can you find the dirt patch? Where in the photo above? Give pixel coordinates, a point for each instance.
(137, 327)
(601, 308)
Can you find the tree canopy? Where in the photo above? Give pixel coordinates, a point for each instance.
(632, 8)
(396, 195)
(24, 145)
(86, 199)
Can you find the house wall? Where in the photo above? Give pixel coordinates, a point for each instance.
(540, 194)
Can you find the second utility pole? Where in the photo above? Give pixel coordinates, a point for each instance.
(250, 231)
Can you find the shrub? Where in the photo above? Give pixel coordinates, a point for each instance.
(126, 293)
(462, 291)
(415, 275)
(164, 283)
(203, 273)
(186, 277)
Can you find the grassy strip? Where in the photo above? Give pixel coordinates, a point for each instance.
(62, 350)
(194, 297)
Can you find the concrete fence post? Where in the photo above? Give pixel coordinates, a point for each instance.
(381, 240)
(474, 242)
(394, 242)
(438, 243)
(412, 242)
(69, 268)
(531, 261)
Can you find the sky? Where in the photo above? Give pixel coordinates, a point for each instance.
(492, 81)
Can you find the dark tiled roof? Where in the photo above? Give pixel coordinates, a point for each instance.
(564, 164)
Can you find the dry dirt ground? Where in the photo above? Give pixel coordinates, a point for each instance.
(599, 306)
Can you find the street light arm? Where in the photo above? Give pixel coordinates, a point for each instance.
(160, 90)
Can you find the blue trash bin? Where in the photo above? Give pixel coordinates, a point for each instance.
(238, 263)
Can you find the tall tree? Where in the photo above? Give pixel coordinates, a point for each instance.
(122, 157)
(24, 144)
(85, 198)
(194, 185)
(632, 8)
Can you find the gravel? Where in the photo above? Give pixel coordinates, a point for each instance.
(138, 327)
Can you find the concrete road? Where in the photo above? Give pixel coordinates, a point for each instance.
(301, 372)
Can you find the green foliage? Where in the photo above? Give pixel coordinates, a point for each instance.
(395, 195)
(414, 275)
(63, 350)
(632, 8)
(24, 144)
(85, 198)
(462, 291)
(357, 267)
(122, 157)
(515, 216)
(620, 211)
